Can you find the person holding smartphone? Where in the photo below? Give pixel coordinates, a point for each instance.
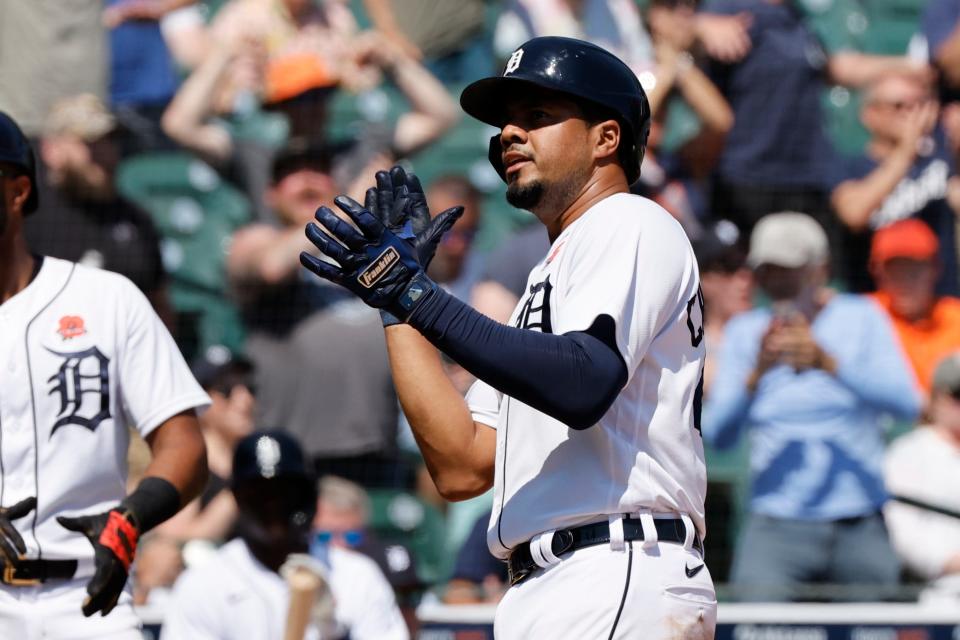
(810, 377)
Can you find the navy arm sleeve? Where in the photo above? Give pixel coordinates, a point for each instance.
(573, 377)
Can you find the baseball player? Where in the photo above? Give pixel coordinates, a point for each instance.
(83, 357)
(241, 593)
(585, 418)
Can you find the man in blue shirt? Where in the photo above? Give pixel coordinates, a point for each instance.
(810, 378)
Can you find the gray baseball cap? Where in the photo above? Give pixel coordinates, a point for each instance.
(789, 240)
(946, 377)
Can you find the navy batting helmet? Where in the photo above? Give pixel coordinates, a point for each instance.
(267, 455)
(15, 149)
(271, 463)
(579, 69)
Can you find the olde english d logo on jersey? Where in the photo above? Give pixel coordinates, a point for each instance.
(535, 313)
(83, 385)
(380, 267)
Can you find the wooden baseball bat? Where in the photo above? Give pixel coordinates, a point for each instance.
(303, 585)
(922, 504)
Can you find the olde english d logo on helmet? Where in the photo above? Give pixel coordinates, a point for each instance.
(514, 62)
(380, 267)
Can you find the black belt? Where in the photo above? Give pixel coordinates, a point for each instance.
(32, 572)
(520, 564)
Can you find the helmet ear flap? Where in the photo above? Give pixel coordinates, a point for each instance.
(495, 155)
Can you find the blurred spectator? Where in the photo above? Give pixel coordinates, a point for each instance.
(924, 465)
(185, 32)
(809, 379)
(726, 283)
(941, 27)
(342, 520)
(308, 49)
(143, 77)
(672, 25)
(48, 52)
(232, 77)
(777, 156)
(449, 37)
(905, 173)
(881, 28)
(478, 577)
(319, 353)
(82, 218)
(905, 265)
(508, 266)
(455, 266)
(228, 379)
(215, 114)
(159, 564)
(614, 25)
(690, 118)
(241, 594)
(211, 516)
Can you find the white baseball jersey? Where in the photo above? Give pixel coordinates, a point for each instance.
(83, 356)
(627, 258)
(234, 597)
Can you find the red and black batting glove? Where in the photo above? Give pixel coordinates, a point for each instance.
(114, 538)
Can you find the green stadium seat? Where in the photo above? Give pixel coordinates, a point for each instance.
(403, 518)
(196, 213)
(882, 27)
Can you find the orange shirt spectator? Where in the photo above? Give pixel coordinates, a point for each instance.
(904, 264)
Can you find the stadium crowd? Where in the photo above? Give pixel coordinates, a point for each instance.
(808, 147)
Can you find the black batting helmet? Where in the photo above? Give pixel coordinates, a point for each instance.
(579, 69)
(266, 462)
(267, 455)
(15, 149)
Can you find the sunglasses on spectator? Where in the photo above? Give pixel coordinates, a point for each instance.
(228, 389)
(350, 537)
(898, 105)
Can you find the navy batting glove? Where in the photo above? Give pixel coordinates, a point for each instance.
(378, 266)
(399, 203)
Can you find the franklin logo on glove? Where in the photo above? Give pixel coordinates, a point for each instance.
(379, 268)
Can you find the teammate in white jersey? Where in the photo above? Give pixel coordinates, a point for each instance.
(586, 415)
(83, 357)
(240, 594)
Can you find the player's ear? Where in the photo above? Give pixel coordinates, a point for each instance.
(606, 138)
(21, 191)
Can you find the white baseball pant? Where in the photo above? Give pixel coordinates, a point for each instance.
(603, 593)
(51, 611)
